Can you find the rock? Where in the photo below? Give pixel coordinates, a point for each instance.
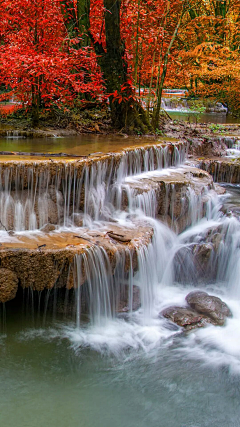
(219, 108)
(119, 237)
(77, 219)
(185, 317)
(123, 302)
(47, 228)
(223, 170)
(198, 261)
(8, 284)
(209, 305)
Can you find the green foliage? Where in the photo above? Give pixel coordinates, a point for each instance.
(196, 110)
(159, 132)
(217, 128)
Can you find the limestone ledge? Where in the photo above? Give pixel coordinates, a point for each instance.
(222, 169)
(173, 199)
(45, 260)
(16, 167)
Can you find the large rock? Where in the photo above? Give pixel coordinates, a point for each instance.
(209, 305)
(198, 260)
(47, 228)
(186, 317)
(8, 284)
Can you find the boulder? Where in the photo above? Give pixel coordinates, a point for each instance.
(8, 284)
(185, 317)
(209, 305)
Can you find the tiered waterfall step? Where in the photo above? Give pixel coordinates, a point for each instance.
(177, 196)
(43, 260)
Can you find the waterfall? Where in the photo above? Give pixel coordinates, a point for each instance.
(53, 192)
(175, 104)
(132, 234)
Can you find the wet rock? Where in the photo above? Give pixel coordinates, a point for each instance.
(123, 299)
(52, 211)
(77, 219)
(222, 170)
(47, 228)
(209, 305)
(198, 261)
(56, 195)
(124, 238)
(8, 285)
(185, 317)
(170, 196)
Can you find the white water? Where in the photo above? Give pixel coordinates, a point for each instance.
(234, 151)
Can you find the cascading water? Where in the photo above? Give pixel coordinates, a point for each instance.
(159, 374)
(205, 256)
(30, 196)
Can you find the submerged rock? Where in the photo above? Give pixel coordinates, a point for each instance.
(8, 284)
(209, 305)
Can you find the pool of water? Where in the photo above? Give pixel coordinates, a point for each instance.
(52, 375)
(204, 117)
(81, 145)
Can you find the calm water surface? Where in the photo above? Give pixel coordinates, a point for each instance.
(204, 117)
(81, 145)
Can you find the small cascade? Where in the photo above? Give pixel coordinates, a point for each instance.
(175, 105)
(234, 148)
(177, 196)
(98, 294)
(53, 192)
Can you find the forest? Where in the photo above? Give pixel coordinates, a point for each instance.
(58, 56)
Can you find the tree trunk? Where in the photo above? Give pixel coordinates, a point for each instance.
(83, 12)
(35, 105)
(156, 112)
(77, 25)
(126, 112)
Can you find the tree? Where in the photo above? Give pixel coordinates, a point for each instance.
(208, 55)
(126, 112)
(38, 61)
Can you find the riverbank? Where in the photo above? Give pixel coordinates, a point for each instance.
(97, 121)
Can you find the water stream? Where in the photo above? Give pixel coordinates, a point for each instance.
(134, 368)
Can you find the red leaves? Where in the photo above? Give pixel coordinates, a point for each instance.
(37, 57)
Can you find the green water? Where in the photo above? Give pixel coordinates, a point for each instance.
(216, 118)
(44, 381)
(81, 145)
